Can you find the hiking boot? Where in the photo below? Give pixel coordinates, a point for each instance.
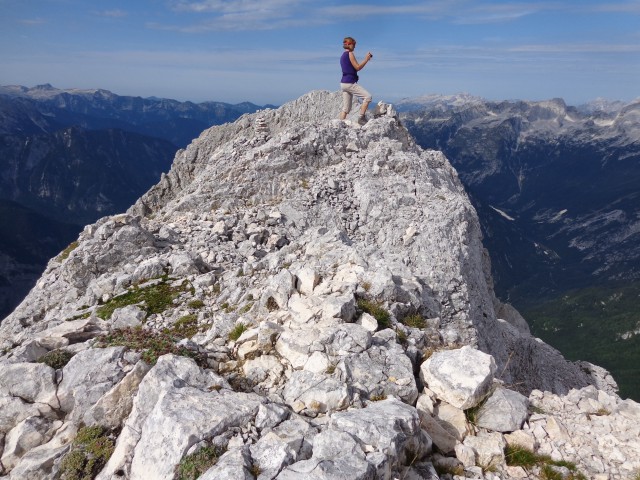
(362, 119)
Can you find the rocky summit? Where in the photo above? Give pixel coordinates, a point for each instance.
(298, 298)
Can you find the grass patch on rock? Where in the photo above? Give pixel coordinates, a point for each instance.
(154, 298)
(414, 321)
(89, 453)
(67, 251)
(519, 456)
(185, 327)
(56, 358)
(150, 343)
(237, 331)
(193, 466)
(377, 311)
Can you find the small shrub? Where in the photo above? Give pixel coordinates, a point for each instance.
(414, 321)
(401, 336)
(56, 358)
(216, 289)
(193, 466)
(67, 251)
(366, 286)
(330, 369)
(382, 316)
(89, 453)
(237, 331)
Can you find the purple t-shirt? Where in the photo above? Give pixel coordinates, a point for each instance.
(349, 73)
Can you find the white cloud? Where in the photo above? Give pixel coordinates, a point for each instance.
(457, 11)
(237, 15)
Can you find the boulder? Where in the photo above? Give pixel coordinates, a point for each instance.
(315, 392)
(87, 377)
(31, 382)
(389, 426)
(503, 411)
(461, 377)
(336, 456)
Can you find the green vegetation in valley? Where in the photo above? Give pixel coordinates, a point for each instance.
(595, 324)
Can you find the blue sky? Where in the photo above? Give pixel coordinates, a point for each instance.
(273, 51)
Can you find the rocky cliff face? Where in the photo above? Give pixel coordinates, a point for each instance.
(298, 297)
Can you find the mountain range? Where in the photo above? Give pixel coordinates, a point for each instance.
(73, 156)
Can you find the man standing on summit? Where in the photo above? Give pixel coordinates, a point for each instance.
(349, 83)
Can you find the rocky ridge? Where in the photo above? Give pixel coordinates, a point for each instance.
(308, 299)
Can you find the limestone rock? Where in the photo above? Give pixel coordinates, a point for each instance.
(461, 377)
(503, 411)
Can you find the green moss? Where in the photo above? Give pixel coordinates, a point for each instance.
(193, 466)
(152, 344)
(56, 358)
(375, 309)
(89, 453)
(154, 298)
